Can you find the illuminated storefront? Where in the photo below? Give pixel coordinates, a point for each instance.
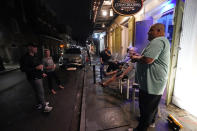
(180, 20)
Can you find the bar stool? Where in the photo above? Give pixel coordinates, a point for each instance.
(123, 81)
(134, 87)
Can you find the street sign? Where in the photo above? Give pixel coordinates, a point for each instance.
(127, 7)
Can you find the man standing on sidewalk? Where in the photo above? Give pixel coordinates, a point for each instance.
(151, 74)
(49, 68)
(32, 66)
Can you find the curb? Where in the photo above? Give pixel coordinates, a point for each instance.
(8, 70)
(75, 122)
(83, 106)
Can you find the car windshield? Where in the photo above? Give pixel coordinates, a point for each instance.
(73, 51)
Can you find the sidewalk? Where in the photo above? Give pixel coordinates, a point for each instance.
(106, 109)
(9, 67)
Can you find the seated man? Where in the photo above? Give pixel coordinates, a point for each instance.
(114, 66)
(105, 56)
(118, 75)
(123, 70)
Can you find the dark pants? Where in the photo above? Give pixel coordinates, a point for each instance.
(148, 105)
(37, 85)
(112, 66)
(102, 69)
(50, 76)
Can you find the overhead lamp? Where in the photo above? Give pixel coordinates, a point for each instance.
(95, 35)
(62, 45)
(103, 25)
(111, 13)
(104, 13)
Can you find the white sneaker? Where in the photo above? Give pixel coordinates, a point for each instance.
(47, 103)
(38, 106)
(47, 108)
(152, 125)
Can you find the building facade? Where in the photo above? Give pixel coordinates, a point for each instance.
(179, 18)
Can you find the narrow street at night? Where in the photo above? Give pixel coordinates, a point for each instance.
(17, 98)
(98, 65)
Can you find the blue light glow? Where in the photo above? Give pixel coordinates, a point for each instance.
(168, 5)
(96, 35)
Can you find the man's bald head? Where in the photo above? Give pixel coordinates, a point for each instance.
(156, 30)
(160, 28)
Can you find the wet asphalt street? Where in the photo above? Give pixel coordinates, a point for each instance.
(17, 99)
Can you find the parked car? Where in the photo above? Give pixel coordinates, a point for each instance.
(73, 57)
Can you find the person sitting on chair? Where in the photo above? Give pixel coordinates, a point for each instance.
(105, 56)
(123, 70)
(115, 65)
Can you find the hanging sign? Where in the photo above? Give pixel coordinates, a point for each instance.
(127, 7)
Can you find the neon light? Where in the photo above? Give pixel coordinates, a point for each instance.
(168, 5)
